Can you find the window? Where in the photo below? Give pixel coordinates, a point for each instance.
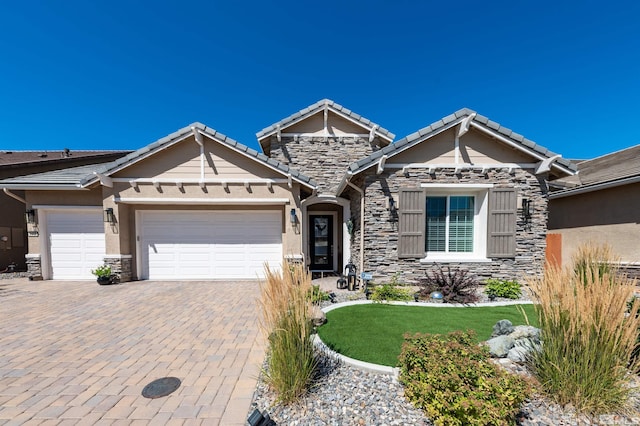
(457, 222)
(450, 224)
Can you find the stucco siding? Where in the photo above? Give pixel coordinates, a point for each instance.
(477, 148)
(335, 125)
(437, 149)
(610, 216)
(183, 161)
(474, 148)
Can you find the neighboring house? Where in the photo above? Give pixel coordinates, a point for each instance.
(601, 204)
(330, 188)
(12, 208)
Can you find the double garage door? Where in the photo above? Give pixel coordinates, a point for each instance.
(209, 245)
(173, 244)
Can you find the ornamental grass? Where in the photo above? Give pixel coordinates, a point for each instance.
(286, 323)
(588, 332)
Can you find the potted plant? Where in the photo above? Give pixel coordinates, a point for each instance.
(103, 274)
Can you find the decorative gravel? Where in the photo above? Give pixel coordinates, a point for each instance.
(345, 395)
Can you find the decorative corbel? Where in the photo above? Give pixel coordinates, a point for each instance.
(104, 180)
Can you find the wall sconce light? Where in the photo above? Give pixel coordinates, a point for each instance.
(109, 217)
(30, 216)
(293, 217)
(526, 209)
(350, 227)
(392, 206)
(526, 212)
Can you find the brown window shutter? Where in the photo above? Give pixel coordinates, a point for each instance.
(501, 241)
(411, 223)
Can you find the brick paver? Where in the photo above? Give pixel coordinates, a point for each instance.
(80, 353)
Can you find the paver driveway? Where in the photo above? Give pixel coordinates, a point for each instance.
(80, 353)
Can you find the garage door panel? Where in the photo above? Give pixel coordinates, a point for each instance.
(211, 245)
(76, 243)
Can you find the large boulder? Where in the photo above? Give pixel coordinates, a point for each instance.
(317, 316)
(499, 346)
(502, 328)
(525, 332)
(515, 343)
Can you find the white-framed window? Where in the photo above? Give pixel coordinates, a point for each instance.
(457, 222)
(450, 223)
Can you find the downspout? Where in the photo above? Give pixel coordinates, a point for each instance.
(14, 196)
(361, 192)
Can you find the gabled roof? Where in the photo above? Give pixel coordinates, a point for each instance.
(81, 177)
(516, 140)
(610, 170)
(9, 158)
(318, 107)
(68, 178)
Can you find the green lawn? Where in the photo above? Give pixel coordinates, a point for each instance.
(373, 332)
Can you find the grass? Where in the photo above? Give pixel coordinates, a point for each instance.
(374, 332)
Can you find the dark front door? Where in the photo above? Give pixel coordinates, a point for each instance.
(321, 241)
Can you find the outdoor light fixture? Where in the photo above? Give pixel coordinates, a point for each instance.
(30, 216)
(392, 206)
(350, 227)
(109, 217)
(293, 217)
(526, 209)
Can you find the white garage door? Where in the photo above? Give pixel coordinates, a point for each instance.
(76, 243)
(209, 245)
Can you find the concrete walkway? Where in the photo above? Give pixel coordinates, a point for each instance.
(80, 353)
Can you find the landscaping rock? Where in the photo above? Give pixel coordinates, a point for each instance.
(502, 327)
(525, 332)
(514, 343)
(317, 316)
(499, 346)
(518, 354)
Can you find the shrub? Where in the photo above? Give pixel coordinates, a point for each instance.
(456, 285)
(390, 292)
(502, 288)
(588, 332)
(286, 322)
(102, 271)
(454, 381)
(317, 295)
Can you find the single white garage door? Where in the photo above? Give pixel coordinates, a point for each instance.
(209, 245)
(76, 243)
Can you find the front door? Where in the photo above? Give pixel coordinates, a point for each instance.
(321, 241)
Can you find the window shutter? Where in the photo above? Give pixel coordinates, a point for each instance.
(501, 241)
(411, 223)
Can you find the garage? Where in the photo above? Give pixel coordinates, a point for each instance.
(209, 244)
(76, 243)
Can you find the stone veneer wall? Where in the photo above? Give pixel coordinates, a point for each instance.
(120, 267)
(381, 236)
(34, 268)
(324, 160)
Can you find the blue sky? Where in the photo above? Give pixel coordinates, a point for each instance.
(121, 74)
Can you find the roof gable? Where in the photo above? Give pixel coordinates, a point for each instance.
(85, 176)
(469, 119)
(317, 108)
(196, 130)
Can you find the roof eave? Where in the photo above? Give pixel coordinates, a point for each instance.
(594, 187)
(41, 186)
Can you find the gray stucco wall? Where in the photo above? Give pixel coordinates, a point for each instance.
(381, 229)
